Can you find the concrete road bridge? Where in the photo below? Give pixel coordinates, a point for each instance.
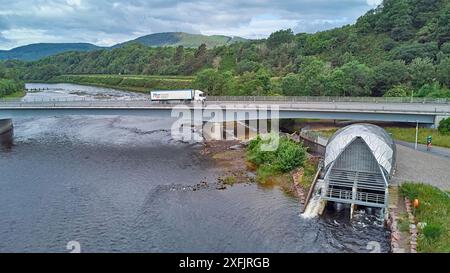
(424, 111)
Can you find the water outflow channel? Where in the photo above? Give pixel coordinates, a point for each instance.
(118, 184)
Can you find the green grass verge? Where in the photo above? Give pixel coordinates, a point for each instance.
(129, 82)
(407, 134)
(434, 210)
(310, 170)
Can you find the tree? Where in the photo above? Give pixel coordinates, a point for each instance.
(214, 83)
(422, 71)
(424, 11)
(292, 86)
(9, 86)
(400, 90)
(178, 56)
(336, 83)
(247, 66)
(396, 19)
(443, 26)
(357, 79)
(444, 126)
(388, 74)
(253, 84)
(197, 61)
(313, 75)
(280, 37)
(408, 52)
(443, 72)
(433, 91)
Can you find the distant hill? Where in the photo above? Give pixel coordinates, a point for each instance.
(34, 52)
(183, 39)
(37, 51)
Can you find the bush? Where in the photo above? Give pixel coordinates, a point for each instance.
(8, 86)
(444, 126)
(287, 157)
(400, 90)
(432, 232)
(433, 91)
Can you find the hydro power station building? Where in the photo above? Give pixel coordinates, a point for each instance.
(359, 161)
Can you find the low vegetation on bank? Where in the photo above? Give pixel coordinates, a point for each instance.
(275, 167)
(287, 157)
(434, 215)
(137, 83)
(10, 88)
(409, 135)
(444, 126)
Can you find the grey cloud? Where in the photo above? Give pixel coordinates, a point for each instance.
(114, 21)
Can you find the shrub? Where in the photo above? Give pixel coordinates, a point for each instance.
(432, 232)
(400, 90)
(434, 90)
(288, 156)
(9, 86)
(444, 126)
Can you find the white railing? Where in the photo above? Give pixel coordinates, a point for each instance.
(279, 99)
(329, 99)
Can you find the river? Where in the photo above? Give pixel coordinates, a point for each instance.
(121, 184)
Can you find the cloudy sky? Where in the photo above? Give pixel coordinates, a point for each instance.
(105, 22)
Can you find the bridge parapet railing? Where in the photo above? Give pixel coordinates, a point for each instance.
(280, 99)
(323, 99)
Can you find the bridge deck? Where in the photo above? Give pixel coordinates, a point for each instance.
(426, 113)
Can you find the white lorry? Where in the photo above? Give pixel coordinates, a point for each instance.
(166, 96)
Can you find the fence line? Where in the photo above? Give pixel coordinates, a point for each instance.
(278, 99)
(329, 99)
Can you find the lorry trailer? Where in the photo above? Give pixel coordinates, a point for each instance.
(188, 95)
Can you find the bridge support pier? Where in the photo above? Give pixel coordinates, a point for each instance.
(213, 131)
(6, 131)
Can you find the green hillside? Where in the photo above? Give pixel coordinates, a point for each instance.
(183, 39)
(37, 51)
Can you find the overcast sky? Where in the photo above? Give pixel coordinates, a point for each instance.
(105, 23)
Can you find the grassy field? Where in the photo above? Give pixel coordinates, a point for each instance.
(136, 83)
(434, 210)
(408, 135)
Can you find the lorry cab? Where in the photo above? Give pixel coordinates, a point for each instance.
(199, 96)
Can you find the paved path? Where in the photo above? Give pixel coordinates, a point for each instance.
(421, 166)
(439, 151)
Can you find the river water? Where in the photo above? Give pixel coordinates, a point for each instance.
(121, 184)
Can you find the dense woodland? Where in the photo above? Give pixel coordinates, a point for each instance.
(401, 48)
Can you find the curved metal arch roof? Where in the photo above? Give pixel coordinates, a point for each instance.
(379, 141)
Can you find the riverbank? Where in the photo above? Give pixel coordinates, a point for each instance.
(135, 83)
(429, 221)
(230, 157)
